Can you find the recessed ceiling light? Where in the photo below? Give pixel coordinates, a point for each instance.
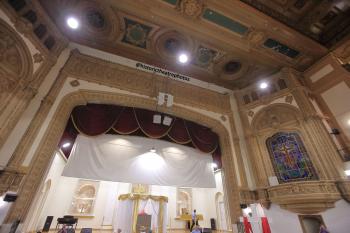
(183, 58)
(153, 150)
(263, 85)
(73, 23)
(347, 172)
(65, 145)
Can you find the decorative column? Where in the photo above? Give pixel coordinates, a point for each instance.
(230, 182)
(320, 138)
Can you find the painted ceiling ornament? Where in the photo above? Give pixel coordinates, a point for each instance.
(136, 33)
(38, 58)
(289, 99)
(191, 8)
(95, 18)
(204, 56)
(256, 37)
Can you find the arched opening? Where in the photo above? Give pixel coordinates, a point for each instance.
(53, 135)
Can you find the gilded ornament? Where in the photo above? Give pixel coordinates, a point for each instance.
(289, 99)
(74, 83)
(251, 113)
(191, 8)
(256, 37)
(38, 58)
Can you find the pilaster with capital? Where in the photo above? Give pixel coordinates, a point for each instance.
(256, 161)
(320, 138)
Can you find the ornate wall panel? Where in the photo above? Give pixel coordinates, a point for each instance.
(15, 62)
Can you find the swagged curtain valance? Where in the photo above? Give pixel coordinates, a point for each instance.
(97, 119)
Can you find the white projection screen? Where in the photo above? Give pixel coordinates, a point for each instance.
(129, 159)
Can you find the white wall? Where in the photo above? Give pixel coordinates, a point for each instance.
(281, 220)
(336, 219)
(4, 207)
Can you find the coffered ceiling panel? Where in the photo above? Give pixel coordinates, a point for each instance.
(326, 22)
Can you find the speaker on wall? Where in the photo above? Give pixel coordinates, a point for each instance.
(213, 224)
(47, 223)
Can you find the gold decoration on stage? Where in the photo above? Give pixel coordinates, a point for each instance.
(136, 198)
(132, 196)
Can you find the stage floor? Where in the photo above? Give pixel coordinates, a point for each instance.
(168, 231)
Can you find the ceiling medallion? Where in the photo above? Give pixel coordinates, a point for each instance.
(204, 56)
(172, 46)
(191, 8)
(232, 67)
(95, 19)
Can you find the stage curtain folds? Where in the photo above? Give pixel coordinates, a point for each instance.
(98, 119)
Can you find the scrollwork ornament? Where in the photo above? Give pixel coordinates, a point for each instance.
(191, 8)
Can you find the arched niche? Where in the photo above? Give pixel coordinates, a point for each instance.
(281, 118)
(275, 116)
(184, 201)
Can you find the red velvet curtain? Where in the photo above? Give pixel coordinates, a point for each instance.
(96, 119)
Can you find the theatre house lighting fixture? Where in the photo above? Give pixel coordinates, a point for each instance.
(65, 145)
(153, 150)
(263, 85)
(72, 22)
(347, 172)
(183, 58)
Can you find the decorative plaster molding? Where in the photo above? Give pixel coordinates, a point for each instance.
(307, 197)
(114, 75)
(344, 189)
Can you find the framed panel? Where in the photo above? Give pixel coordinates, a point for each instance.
(83, 201)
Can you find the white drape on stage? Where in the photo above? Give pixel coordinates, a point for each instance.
(124, 218)
(128, 159)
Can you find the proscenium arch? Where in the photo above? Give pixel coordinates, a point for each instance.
(48, 144)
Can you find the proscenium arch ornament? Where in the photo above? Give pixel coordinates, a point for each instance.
(16, 64)
(48, 144)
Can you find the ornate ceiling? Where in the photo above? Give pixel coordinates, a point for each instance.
(229, 42)
(327, 22)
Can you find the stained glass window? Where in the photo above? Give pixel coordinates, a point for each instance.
(289, 157)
